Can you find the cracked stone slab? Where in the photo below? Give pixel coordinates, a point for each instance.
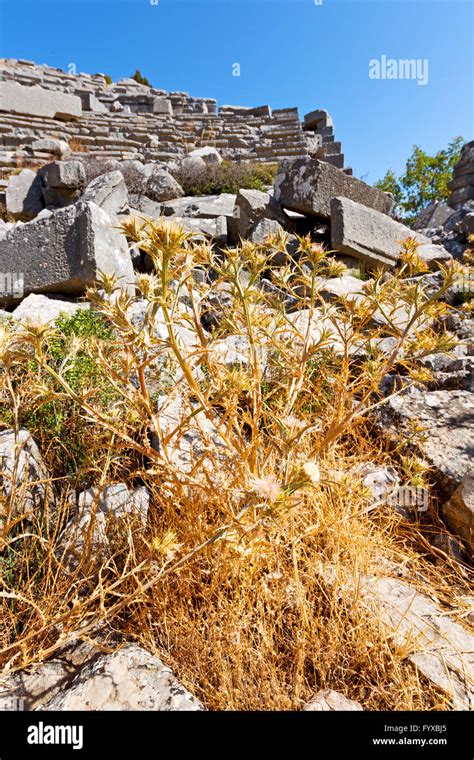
(83, 678)
(440, 648)
(447, 418)
(129, 679)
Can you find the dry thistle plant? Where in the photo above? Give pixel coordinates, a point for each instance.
(246, 436)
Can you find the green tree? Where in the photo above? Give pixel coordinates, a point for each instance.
(138, 77)
(425, 180)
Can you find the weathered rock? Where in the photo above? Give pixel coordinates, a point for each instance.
(163, 106)
(24, 195)
(447, 417)
(28, 689)
(374, 237)
(128, 679)
(188, 166)
(441, 649)
(329, 700)
(208, 154)
(37, 101)
(23, 473)
(264, 229)
(466, 227)
(108, 191)
(162, 186)
(345, 287)
(459, 511)
(40, 310)
(318, 119)
(434, 215)
(144, 207)
(251, 206)
(202, 206)
(67, 250)
(51, 145)
(91, 103)
(308, 185)
(70, 175)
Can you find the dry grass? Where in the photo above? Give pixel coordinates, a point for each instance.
(245, 576)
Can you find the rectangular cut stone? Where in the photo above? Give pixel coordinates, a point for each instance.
(307, 185)
(91, 103)
(318, 119)
(64, 252)
(37, 101)
(374, 237)
(162, 105)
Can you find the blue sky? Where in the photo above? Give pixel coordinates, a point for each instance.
(291, 53)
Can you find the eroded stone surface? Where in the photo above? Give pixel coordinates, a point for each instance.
(440, 648)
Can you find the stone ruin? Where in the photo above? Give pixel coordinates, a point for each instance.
(127, 120)
(61, 230)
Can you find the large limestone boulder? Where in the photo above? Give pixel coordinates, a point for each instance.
(215, 227)
(208, 154)
(374, 237)
(436, 214)
(41, 310)
(265, 229)
(161, 186)
(251, 206)
(64, 174)
(24, 195)
(63, 182)
(64, 252)
(307, 185)
(108, 191)
(83, 678)
(201, 206)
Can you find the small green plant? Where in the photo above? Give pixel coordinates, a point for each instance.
(67, 347)
(138, 77)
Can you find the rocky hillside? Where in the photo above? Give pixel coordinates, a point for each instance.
(236, 429)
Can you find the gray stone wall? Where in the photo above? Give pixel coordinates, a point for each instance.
(128, 120)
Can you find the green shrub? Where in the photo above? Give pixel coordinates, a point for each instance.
(425, 180)
(138, 77)
(56, 423)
